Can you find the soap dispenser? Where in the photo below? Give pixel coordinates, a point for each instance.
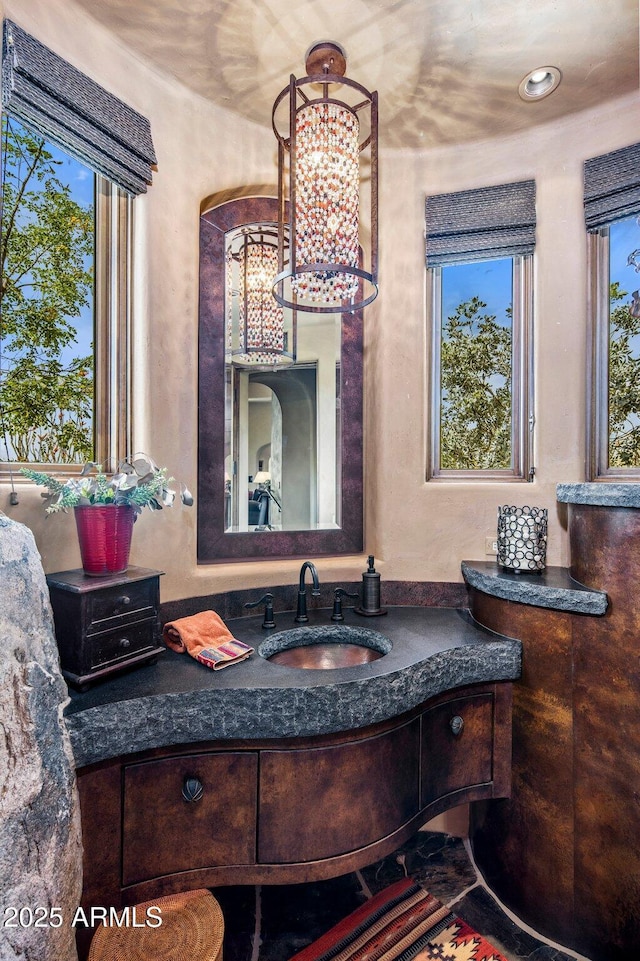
(370, 592)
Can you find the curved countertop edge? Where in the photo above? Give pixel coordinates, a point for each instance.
(356, 699)
(553, 588)
(599, 494)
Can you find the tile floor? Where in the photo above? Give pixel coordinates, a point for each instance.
(273, 922)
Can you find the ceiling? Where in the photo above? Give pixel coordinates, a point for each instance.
(447, 71)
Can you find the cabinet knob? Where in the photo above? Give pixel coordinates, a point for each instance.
(456, 724)
(125, 600)
(125, 642)
(192, 789)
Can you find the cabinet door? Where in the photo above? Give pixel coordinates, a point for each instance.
(321, 802)
(457, 746)
(163, 833)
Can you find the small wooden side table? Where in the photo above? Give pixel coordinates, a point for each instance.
(105, 624)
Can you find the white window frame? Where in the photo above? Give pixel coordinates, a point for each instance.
(522, 401)
(112, 340)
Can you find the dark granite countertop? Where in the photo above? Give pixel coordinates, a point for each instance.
(600, 495)
(553, 588)
(178, 701)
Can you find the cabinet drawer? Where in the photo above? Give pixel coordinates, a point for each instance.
(457, 746)
(133, 600)
(321, 802)
(122, 643)
(163, 833)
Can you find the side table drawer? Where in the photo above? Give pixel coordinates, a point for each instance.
(124, 642)
(131, 600)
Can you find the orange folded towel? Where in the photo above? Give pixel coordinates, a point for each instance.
(205, 637)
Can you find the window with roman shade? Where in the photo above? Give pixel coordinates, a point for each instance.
(612, 187)
(481, 224)
(479, 253)
(62, 129)
(72, 111)
(612, 219)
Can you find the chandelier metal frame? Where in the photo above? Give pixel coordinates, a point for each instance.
(325, 64)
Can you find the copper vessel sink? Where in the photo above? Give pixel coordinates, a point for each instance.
(325, 648)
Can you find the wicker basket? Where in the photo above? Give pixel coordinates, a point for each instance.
(192, 929)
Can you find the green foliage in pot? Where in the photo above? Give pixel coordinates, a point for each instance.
(138, 483)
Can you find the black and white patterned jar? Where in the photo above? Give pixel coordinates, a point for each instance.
(522, 539)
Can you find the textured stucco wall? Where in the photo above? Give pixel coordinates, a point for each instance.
(417, 530)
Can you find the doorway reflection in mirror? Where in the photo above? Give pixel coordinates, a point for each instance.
(282, 400)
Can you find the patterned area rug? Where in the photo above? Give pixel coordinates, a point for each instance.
(401, 923)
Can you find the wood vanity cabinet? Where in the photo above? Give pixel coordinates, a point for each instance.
(337, 798)
(288, 810)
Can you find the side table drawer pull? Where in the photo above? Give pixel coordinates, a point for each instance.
(192, 789)
(456, 724)
(125, 642)
(125, 600)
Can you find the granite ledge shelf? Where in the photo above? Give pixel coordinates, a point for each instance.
(599, 495)
(552, 588)
(178, 701)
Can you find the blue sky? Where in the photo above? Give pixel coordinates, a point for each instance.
(624, 239)
(81, 180)
(490, 280)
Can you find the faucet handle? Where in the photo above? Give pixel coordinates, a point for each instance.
(338, 594)
(267, 600)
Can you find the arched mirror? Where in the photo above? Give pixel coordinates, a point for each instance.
(280, 403)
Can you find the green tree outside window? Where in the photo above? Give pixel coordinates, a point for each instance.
(624, 380)
(47, 255)
(475, 379)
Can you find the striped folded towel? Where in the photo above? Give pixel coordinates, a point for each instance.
(206, 638)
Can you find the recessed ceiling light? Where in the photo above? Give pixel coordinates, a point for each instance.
(539, 83)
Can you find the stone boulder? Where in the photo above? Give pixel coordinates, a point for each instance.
(40, 842)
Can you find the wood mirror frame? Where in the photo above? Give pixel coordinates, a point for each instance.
(214, 543)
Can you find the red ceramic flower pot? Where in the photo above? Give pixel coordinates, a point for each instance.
(104, 534)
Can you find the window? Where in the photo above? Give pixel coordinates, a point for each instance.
(63, 319)
(480, 316)
(612, 214)
(66, 225)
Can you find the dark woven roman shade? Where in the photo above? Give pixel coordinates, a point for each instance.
(69, 109)
(612, 186)
(481, 224)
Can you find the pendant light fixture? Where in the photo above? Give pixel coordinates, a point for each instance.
(328, 187)
(260, 332)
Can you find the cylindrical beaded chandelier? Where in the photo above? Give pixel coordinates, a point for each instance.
(327, 142)
(260, 332)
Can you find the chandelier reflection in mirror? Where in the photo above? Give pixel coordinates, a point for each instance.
(260, 332)
(327, 183)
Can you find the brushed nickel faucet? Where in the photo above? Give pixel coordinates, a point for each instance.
(301, 613)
